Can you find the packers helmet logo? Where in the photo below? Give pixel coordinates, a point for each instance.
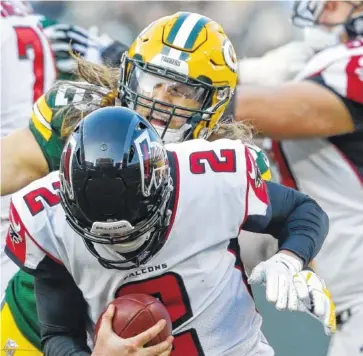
(154, 167)
(230, 56)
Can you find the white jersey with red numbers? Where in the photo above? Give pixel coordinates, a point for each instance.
(197, 273)
(27, 71)
(330, 170)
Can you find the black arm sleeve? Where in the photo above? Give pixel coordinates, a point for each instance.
(355, 109)
(62, 311)
(297, 221)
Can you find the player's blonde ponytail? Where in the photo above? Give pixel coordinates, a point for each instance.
(97, 74)
(233, 131)
(101, 83)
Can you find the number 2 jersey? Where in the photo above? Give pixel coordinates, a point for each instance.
(198, 273)
(330, 170)
(46, 123)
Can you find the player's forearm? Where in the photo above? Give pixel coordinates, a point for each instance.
(62, 311)
(65, 346)
(297, 221)
(11, 174)
(293, 110)
(22, 161)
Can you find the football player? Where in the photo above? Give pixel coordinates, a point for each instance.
(138, 218)
(151, 63)
(317, 121)
(29, 60)
(27, 71)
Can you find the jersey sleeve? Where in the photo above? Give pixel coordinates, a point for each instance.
(30, 239)
(45, 124)
(51, 110)
(344, 77)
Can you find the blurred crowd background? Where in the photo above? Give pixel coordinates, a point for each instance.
(254, 27)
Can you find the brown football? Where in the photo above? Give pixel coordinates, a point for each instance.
(136, 313)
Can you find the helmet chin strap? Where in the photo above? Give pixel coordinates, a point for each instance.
(132, 246)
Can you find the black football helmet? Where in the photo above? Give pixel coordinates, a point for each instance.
(308, 13)
(116, 187)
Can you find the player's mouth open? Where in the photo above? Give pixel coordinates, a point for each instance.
(159, 120)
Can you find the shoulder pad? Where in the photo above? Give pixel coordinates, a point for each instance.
(30, 238)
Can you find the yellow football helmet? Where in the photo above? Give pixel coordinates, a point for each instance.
(180, 73)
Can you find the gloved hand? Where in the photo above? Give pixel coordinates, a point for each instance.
(277, 274)
(319, 303)
(99, 49)
(276, 66)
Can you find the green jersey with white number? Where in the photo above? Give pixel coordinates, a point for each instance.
(50, 111)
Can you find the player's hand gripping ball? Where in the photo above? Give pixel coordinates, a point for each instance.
(134, 314)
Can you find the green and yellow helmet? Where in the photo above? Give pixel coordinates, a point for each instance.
(180, 73)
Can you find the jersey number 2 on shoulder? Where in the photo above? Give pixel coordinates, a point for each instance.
(36, 198)
(225, 164)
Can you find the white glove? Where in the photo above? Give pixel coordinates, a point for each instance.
(277, 273)
(319, 303)
(276, 66)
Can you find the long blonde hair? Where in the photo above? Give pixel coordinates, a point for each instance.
(101, 82)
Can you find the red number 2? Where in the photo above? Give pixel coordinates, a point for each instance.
(227, 164)
(35, 204)
(169, 288)
(29, 38)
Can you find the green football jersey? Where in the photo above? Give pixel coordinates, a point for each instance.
(50, 111)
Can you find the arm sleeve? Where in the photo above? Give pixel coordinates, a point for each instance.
(62, 311)
(354, 107)
(296, 221)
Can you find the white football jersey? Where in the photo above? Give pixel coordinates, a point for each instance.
(27, 71)
(328, 170)
(198, 273)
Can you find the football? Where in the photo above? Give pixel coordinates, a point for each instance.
(135, 313)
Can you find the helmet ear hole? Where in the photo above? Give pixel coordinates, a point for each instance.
(131, 153)
(78, 157)
(142, 126)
